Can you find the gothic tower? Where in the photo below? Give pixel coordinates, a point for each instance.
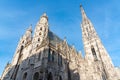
(95, 53)
(24, 41)
(41, 31)
(20, 55)
(45, 56)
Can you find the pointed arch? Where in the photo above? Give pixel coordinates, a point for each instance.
(25, 76)
(41, 28)
(20, 54)
(59, 60)
(41, 75)
(50, 77)
(38, 39)
(36, 76)
(53, 56)
(103, 76)
(40, 33)
(21, 48)
(60, 78)
(49, 55)
(39, 56)
(94, 53)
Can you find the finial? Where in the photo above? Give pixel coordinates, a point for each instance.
(73, 46)
(30, 28)
(83, 12)
(65, 40)
(8, 63)
(80, 5)
(80, 53)
(45, 15)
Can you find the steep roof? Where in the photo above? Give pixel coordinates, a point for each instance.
(53, 38)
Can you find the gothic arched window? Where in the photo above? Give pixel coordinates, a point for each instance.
(59, 60)
(37, 45)
(20, 54)
(40, 33)
(22, 41)
(53, 56)
(21, 49)
(38, 39)
(94, 53)
(50, 77)
(39, 56)
(49, 55)
(25, 76)
(36, 76)
(41, 75)
(103, 77)
(41, 28)
(60, 78)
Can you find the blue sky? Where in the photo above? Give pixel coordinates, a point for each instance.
(64, 20)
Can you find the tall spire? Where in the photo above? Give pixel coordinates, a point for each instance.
(84, 17)
(95, 53)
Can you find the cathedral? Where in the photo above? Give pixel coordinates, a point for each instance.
(45, 56)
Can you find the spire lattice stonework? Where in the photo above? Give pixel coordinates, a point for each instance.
(95, 53)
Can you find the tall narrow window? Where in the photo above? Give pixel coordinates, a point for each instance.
(53, 56)
(21, 49)
(94, 53)
(41, 75)
(36, 76)
(37, 45)
(20, 54)
(39, 56)
(60, 78)
(25, 76)
(88, 32)
(49, 55)
(87, 29)
(103, 77)
(59, 60)
(49, 77)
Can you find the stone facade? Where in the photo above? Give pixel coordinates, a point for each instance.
(118, 72)
(47, 57)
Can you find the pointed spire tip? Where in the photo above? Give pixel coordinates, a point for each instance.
(84, 17)
(80, 5)
(30, 28)
(44, 15)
